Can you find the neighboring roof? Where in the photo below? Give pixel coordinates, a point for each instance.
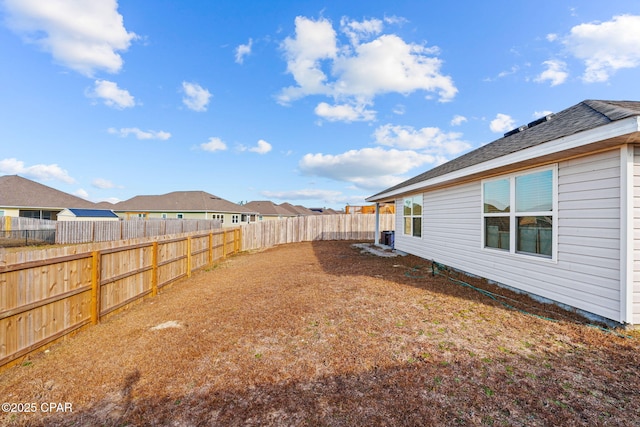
(581, 117)
(297, 209)
(180, 201)
(93, 213)
(19, 192)
(267, 207)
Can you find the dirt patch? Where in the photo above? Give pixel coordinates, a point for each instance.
(320, 334)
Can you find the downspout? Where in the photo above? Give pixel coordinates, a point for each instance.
(376, 237)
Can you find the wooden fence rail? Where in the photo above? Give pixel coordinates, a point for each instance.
(48, 293)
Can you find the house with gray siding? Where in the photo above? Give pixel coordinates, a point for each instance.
(551, 209)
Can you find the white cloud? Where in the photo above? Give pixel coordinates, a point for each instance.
(85, 36)
(606, 47)
(304, 194)
(112, 95)
(429, 139)
(196, 97)
(12, 166)
(543, 113)
(81, 192)
(103, 184)
(367, 167)
(242, 51)
(357, 72)
(214, 144)
(357, 30)
(314, 41)
(262, 147)
(458, 120)
(556, 72)
(502, 123)
(344, 113)
(140, 134)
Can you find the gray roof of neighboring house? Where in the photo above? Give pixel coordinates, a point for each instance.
(584, 116)
(267, 207)
(297, 209)
(181, 201)
(19, 192)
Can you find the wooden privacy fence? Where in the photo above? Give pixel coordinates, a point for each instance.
(47, 294)
(265, 234)
(104, 231)
(71, 232)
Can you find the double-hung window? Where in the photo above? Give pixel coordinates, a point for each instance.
(412, 216)
(519, 212)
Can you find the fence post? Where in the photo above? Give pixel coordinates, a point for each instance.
(224, 244)
(188, 256)
(154, 270)
(210, 247)
(95, 287)
(7, 223)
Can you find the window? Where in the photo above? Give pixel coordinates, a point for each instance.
(518, 213)
(164, 216)
(412, 216)
(219, 217)
(179, 216)
(235, 219)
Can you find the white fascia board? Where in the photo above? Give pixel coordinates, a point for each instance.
(611, 130)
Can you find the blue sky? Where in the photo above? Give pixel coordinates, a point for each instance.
(308, 102)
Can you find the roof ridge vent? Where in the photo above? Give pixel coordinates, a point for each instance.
(540, 120)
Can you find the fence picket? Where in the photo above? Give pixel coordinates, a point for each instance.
(80, 284)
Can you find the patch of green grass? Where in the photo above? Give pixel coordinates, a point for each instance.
(487, 391)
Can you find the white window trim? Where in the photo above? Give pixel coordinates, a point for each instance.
(513, 214)
(413, 216)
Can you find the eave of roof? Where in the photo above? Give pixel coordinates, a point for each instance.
(604, 124)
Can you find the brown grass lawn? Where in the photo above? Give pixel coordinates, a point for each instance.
(319, 334)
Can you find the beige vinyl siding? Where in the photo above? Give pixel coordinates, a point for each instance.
(586, 273)
(636, 235)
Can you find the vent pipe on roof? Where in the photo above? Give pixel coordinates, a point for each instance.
(513, 132)
(540, 120)
(530, 125)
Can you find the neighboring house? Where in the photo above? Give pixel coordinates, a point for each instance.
(267, 210)
(297, 210)
(185, 205)
(21, 197)
(87, 215)
(552, 209)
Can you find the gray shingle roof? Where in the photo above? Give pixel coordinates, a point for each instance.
(16, 191)
(267, 207)
(584, 116)
(297, 209)
(181, 201)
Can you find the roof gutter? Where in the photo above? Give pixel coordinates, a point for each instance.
(612, 130)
